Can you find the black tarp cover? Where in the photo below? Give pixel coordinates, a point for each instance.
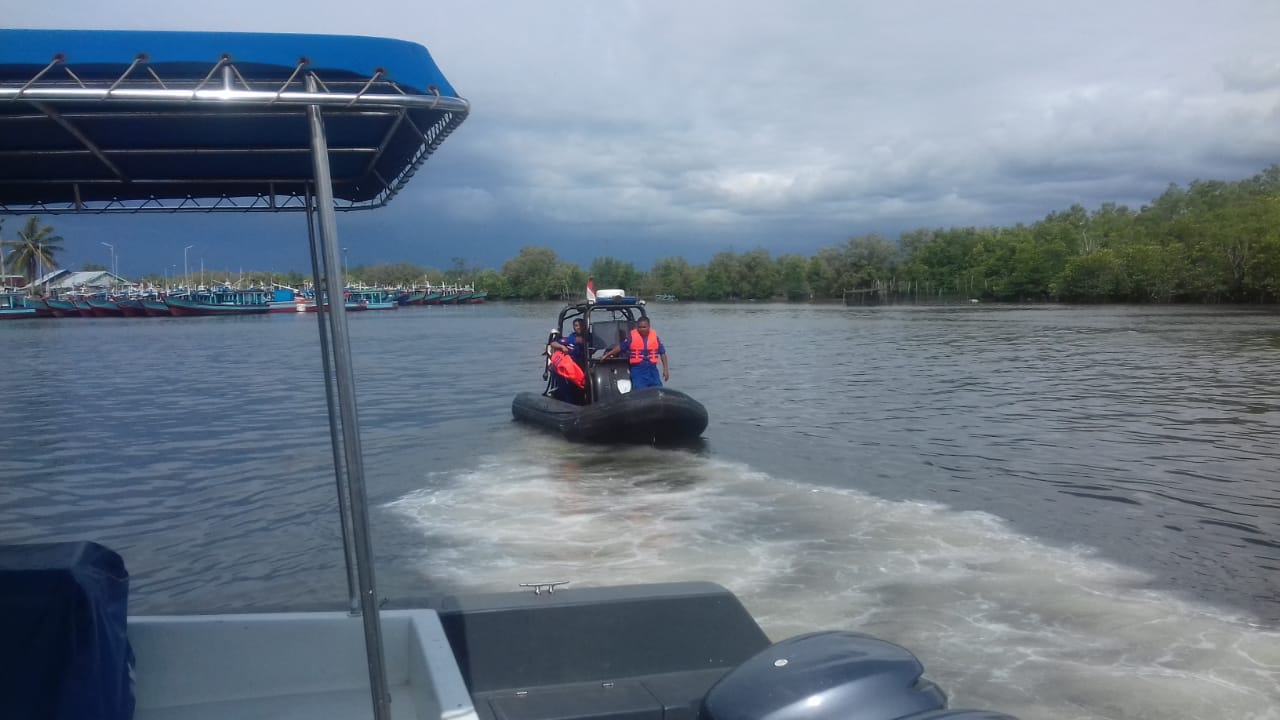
(64, 652)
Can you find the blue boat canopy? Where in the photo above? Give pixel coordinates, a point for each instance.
(103, 121)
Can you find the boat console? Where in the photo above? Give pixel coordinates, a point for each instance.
(648, 651)
(610, 378)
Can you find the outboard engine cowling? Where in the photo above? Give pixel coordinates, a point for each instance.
(834, 675)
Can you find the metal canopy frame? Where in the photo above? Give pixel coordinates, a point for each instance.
(84, 160)
(62, 151)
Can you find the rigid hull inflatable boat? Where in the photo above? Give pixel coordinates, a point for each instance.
(605, 408)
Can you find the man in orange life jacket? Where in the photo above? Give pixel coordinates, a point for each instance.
(644, 349)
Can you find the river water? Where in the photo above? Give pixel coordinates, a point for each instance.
(1066, 512)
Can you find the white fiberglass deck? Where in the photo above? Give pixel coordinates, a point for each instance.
(283, 666)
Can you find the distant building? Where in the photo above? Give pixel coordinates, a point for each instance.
(63, 281)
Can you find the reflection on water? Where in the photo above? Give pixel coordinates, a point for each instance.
(1067, 512)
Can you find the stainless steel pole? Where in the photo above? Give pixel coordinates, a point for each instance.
(335, 437)
(345, 377)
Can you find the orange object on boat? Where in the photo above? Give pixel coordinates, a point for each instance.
(566, 368)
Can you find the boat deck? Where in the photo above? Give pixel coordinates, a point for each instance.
(291, 665)
(320, 705)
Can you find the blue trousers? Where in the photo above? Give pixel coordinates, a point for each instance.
(645, 375)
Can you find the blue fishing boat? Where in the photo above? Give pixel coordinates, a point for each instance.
(411, 297)
(370, 299)
(101, 306)
(17, 306)
(155, 307)
(130, 307)
(62, 308)
(222, 301)
(287, 300)
(42, 307)
(673, 650)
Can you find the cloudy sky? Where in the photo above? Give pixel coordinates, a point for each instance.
(652, 128)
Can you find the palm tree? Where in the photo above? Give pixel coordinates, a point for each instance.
(34, 249)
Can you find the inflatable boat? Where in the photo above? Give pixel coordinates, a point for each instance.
(604, 408)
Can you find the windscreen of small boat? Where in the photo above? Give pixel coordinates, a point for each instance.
(610, 332)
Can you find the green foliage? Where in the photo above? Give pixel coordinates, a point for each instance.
(720, 279)
(793, 277)
(672, 276)
(536, 273)
(1086, 277)
(492, 282)
(613, 273)
(34, 251)
(401, 274)
(460, 273)
(292, 278)
(757, 276)
(1212, 241)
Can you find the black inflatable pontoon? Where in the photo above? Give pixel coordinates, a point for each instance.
(657, 415)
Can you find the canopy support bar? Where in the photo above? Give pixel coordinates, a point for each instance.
(335, 432)
(56, 116)
(345, 377)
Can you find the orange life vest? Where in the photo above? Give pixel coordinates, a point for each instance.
(566, 368)
(641, 351)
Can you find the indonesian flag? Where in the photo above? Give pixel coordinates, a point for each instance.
(591, 290)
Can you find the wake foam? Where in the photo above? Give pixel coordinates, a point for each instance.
(1000, 620)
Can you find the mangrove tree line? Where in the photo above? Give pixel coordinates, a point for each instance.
(1212, 241)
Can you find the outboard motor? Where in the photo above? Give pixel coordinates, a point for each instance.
(836, 675)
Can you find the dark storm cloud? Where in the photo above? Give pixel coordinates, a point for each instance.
(655, 127)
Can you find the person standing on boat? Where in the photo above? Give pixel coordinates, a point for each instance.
(644, 349)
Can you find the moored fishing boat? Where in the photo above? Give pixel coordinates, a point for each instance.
(286, 300)
(62, 308)
(155, 307)
(654, 651)
(413, 297)
(102, 307)
(222, 302)
(17, 306)
(41, 307)
(131, 307)
(370, 299)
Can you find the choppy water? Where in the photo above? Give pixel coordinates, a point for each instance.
(1066, 512)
